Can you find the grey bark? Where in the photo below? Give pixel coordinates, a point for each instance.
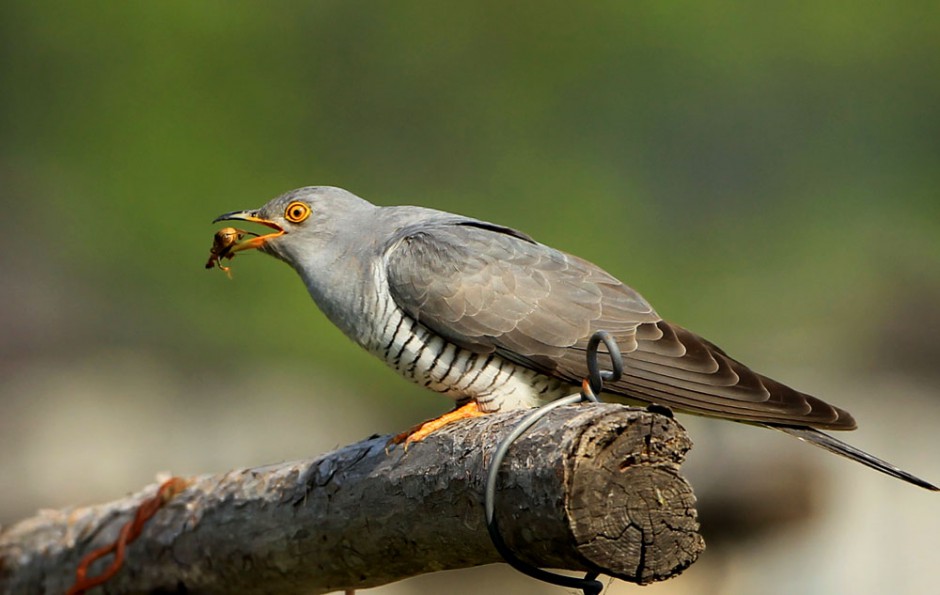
(588, 488)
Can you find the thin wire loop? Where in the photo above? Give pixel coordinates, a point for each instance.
(596, 376)
(590, 388)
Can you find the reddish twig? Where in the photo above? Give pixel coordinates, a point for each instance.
(129, 532)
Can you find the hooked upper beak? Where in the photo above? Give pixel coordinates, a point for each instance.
(252, 243)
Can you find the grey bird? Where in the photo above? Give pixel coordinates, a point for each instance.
(490, 317)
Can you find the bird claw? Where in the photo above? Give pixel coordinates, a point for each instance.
(421, 431)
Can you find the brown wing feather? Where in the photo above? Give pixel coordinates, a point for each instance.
(489, 289)
(674, 366)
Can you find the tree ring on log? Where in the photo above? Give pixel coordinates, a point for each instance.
(642, 525)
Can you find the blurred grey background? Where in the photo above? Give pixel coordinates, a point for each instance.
(766, 175)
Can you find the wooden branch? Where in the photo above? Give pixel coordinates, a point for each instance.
(594, 487)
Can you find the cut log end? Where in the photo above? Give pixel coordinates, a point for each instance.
(630, 512)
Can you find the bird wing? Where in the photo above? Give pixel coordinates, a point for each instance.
(489, 288)
(676, 367)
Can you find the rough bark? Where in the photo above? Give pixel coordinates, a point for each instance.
(587, 488)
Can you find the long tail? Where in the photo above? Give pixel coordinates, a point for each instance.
(831, 444)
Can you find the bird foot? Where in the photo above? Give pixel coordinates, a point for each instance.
(425, 429)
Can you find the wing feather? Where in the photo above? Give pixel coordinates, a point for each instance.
(489, 288)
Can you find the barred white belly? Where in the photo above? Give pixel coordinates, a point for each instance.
(428, 359)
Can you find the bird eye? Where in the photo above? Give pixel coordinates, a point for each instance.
(296, 212)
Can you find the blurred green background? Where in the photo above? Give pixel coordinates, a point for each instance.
(766, 175)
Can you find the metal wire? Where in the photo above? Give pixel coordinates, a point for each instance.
(590, 388)
(596, 376)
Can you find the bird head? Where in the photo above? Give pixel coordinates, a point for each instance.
(305, 221)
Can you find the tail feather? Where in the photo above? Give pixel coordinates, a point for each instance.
(838, 447)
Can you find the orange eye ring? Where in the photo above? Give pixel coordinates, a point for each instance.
(296, 212)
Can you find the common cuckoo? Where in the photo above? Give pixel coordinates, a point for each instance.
(495, 320)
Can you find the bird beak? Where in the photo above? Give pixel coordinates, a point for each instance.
(251, 243)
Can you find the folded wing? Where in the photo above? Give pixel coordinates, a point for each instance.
(490, 288)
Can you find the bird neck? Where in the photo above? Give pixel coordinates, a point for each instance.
(341, 285)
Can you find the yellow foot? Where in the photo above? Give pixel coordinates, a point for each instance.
(423, 430)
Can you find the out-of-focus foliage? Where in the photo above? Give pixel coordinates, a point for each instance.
(765, 174)
(766, 160)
